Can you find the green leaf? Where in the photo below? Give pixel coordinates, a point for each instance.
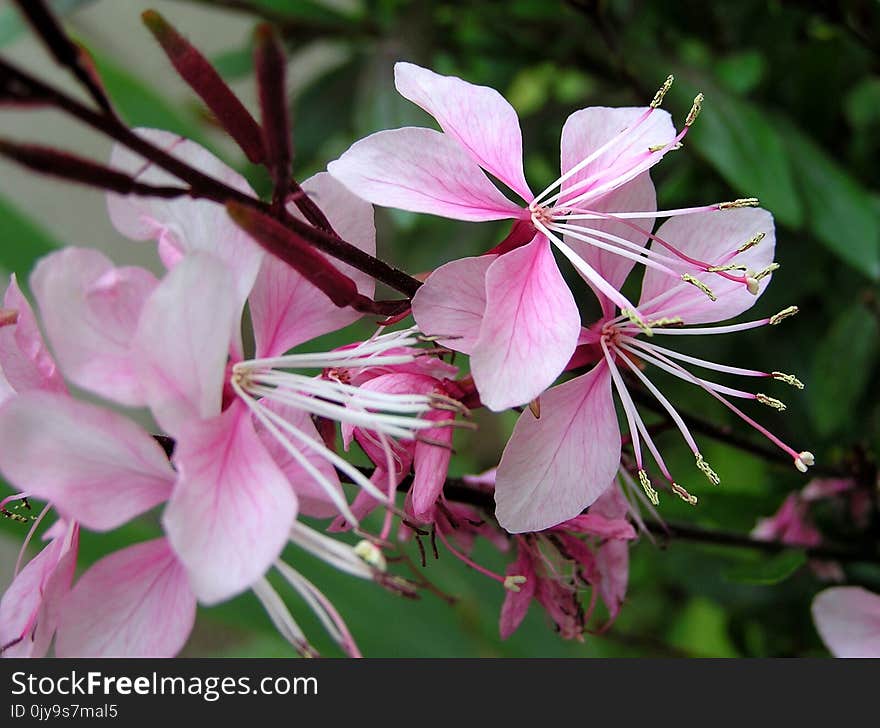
(746, 149)
(769, 569)
(842, 367)
(838, 210)
(701, 629)
(23, 240)
(741, 72)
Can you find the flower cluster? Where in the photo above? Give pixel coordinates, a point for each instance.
(208, 410)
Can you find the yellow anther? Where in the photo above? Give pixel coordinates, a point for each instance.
(770, 402)
(751, 242)
(656, 147)
(741, 202)
(511, 583)
(729, 266)
(666, 322)
(767, 271)
(783, 314)
(704, 468)
(688, 278)
(790, 379)
(752, 285)
(662, 91)
(371, 554)
(684, 495)
(695, 110)
(652, 494)
(634, 318)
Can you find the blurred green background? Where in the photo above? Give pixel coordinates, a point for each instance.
(792, 116)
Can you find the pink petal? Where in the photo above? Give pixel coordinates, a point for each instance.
(710, 236)
(232, 509)
(516, 603)
(184, 224)
(285, 308)
(848, 620)
(554, 467)
(478, 117)
(90, 310)
(182, 341)
(612, 562)
(95, 466)
(597, 525)
(133, 603)
(452, 301)
(530, 327)
(313, 499)
(585, 131)
(611, 504)
(421, 170)
(25, 362)
(430, 464)
(29, 608)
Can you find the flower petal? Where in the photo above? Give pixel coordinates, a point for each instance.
(516, 603)
(848, 620)
(29, 608)
(90, 310)
(25, 362)
(185, 225)
(232, 509)
(530, 327)
(421, 170)
(452, 301)
(587, 130)
(710, 236)
(183, 339)
(133, 603)
(478, 117)
(95, 466)
(285, 308)
(554, 467)
(432, 453)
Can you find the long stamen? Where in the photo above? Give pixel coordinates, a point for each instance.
(282, 619)
(629, 407)
(339, 555)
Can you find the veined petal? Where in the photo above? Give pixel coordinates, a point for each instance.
(95, 466)
(313, 499)
(587, 130)
(182, 341)
(554, 467)
(478, 117)
(848, 620)
(90, 310)
(25, 362)
(530, 327)
(285, 308)
(710, 236)
(452, 301)
(232, 508)
(184, 224)
(29, 608)
(432, 453)
(133, 603)
(421, 170)
(612, 562)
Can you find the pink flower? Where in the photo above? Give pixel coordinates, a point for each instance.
(790, 524)
(848, 620)
(528, 322)
(553, 566)
(556, 465)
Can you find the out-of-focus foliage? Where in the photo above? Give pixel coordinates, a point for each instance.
(792, 116)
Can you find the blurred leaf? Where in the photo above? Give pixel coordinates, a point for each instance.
(530, 88)
(301, 10)
(862, 104)
(742, 144)
(839, 212)
(741, 72)
(768, 569)
(842, 367)
(12, 24)
(701, 629)
(234, 64)
(139, 104)
(23, 240)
